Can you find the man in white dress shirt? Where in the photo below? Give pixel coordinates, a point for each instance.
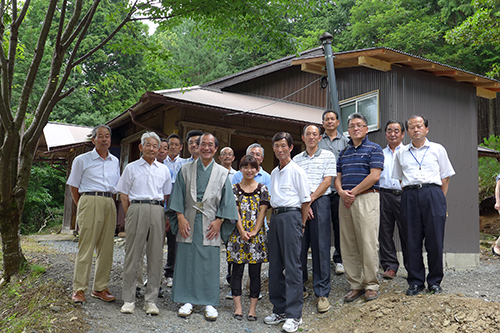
(390, 202)
(92, 182)
(424, 170)
(290, 199)
(144, 186)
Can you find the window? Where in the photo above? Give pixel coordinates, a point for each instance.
(366, 104)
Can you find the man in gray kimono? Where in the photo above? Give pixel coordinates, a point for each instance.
(202, 203)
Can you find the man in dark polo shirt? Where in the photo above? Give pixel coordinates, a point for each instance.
(358, 172)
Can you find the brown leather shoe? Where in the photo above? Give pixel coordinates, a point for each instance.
(353, 295)
(104, 295)
(78, 296)
(370, 295)
(389, 274)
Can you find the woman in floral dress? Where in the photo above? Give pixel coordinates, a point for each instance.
(248, 242)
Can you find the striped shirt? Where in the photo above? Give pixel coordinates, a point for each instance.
(354, 163)
(322, 164)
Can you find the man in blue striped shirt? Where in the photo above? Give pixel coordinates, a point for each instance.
(358, 172)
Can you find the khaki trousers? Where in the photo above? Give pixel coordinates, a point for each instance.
(96, 219)
(144, 226)
(359, 240)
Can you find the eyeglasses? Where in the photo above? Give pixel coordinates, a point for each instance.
(356, 126)
(226, 154)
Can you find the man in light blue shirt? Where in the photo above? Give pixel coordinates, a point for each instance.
(390, 202)
(262, 176)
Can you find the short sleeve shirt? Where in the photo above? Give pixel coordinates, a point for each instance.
(322, 164)
(289, 186)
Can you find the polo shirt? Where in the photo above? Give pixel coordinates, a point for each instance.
(335, 146)
(92, 173)
(261, 177)
(355, 163)
(428, 164)
(322, 164)
(386, 181)
(289, 186)
(142, 181)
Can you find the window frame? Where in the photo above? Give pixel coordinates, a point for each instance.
(372, 127)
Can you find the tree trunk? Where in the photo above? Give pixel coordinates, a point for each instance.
(13, 258)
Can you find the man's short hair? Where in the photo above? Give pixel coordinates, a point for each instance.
(192, 133)
(249, 160)
(164, 140)
(328, 111)
(255, 145)
(413, 116)
(215, 139)
(357, 115)
(95, 129)
(315, 125)
(226, 148)
(175, 136)
(283, 135)
(390, 122)
(148, 135)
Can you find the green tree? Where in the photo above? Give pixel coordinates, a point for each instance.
(29, 90)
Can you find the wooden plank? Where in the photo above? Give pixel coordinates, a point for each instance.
(371, 62)
(485, 93)
(313, 68)
(445, 73)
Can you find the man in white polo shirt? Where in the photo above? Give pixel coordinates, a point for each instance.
(290, 199)
(92, 182)
(320, 167)
(144, 186)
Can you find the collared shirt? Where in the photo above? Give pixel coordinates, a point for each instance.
(261, 177)
(174, 165)
(232, 172)
(142, 181)
(428, 164)
(335, 146)
(289, 187)
(386, 181)
(356, 162)
(92, 173)
(322, 164)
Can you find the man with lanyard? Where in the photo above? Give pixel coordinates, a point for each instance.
(144, 186)
(320, 167)
(334, 141)
(290, 199)
(192, 141)
(358, 171)
(424, 170)
(390, 202)
(92, 183)
(202, 204)
(226, 158)
(174, 163)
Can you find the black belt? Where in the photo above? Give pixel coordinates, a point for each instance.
(420, 186)
(373, 190)
(99, 194)
(151, 202)
(395, 192)
(279, 210)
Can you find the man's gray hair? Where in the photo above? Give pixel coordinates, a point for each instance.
(357, 115)
(255, 145)
(95, 129)
(227, 148)
(148, 135)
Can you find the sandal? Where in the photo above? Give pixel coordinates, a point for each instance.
(251, 318)
(238, 316)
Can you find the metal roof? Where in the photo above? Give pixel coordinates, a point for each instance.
(237, 103)
(57, 134)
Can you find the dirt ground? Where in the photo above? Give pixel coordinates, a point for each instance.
(470, 303)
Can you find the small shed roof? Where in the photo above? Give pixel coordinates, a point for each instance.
(58, 134)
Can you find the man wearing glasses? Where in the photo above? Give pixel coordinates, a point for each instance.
(357, 183)
(193, 141)
(262, 176)
(226, 158)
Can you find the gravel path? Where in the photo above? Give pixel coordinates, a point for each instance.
(106, 317)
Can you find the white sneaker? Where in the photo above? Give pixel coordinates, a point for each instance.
(229, 295)
(339, 268)
(292, 325)
(260, 296)
(151, 309)
(274, 319)
(211, 313)
(128, 307)
(186, 310)
(169, 282)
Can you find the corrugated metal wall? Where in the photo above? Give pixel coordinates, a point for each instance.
(450, 108)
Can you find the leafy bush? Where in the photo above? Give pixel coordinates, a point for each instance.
(489, 168)
(44, 199)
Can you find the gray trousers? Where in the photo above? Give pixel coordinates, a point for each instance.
(317, 235)
(285, 267)
(144, 225)
(389, 217)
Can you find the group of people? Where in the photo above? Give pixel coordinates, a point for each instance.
(351, 186)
